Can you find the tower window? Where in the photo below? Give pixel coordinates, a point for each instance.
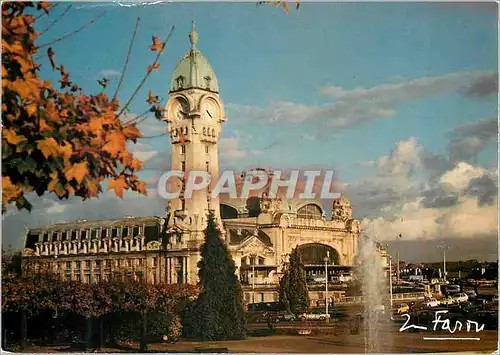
(180, 82)
(206, 149)
(183, 149)
(183, 166)
(207, 165)
(183, 202)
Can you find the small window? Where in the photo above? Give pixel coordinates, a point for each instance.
(180, 82)
(204, 131)
(104, 233)
(183, 202)
(136, 231)
(207, 166)
(154, 262)
(213, 132)
(73, 235)
(183, 149)
(45, 237)
(124, 232)
(93, 233)
(183, 166)
(114, 233)
(206, 149)
(83, 234)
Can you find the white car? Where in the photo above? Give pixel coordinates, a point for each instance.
(430, 303)
(461, 298)
(317, 314)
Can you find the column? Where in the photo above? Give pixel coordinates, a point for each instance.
(186, 274)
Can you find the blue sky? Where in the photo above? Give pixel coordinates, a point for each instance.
(337, 85)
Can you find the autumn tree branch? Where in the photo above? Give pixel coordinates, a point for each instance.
(72, 33)
(147, 73)
(56, 20)
(126, 60)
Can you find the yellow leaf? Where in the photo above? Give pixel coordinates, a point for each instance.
(12, 138)
(48, 147)
(77, 171)
(54, 182)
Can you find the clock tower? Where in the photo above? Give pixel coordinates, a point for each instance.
(194, 116)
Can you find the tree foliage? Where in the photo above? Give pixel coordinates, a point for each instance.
(293, 291)
(59, 141)
(218, 312)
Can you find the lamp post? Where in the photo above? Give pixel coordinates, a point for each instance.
(390, 277)
(397, 266)
(444, 248)
(327, 258)
(253, 277)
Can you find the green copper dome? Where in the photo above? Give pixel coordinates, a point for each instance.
(194, 70)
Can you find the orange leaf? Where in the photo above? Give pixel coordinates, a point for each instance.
(135, 165)
(115, 143)
(48, 147)
(54, 182)
(9, 190)
(95, 125)
(12, 138)
(157, 45)
(155, 67)
(44, 127)
(77, 172)
(118, 185)
(152, 99)
(132, 132)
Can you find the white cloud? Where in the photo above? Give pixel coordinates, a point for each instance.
(109, 73)
(461, 175)
(361, 105)
(145, 156)
(229, 148)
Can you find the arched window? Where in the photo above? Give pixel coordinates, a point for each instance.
(310, 211)
(180, 82)
(228, 212)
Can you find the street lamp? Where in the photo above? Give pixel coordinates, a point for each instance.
(444, 248)
(327, 258)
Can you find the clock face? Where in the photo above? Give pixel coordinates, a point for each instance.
(210, 110)
(179, 109)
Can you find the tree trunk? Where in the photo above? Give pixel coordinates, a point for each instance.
(101, 333)
(143, 345)
(88, 335)
(24, 330)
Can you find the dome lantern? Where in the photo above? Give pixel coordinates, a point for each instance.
(194, 71)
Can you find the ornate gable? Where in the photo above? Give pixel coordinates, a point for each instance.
(253, 245)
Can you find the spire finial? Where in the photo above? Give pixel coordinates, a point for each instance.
(193, 36)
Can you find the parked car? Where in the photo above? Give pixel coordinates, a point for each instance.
(431, 302)
(403, 308)
(461, 298)
(317, 314)
(286, 316)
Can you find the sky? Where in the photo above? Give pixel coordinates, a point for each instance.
(400, 99)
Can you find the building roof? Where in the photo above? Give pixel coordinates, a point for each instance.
(194, 70)
(240, 235)
(104, 223)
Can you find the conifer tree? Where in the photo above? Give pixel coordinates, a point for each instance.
(294, 294)
(218, 312)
